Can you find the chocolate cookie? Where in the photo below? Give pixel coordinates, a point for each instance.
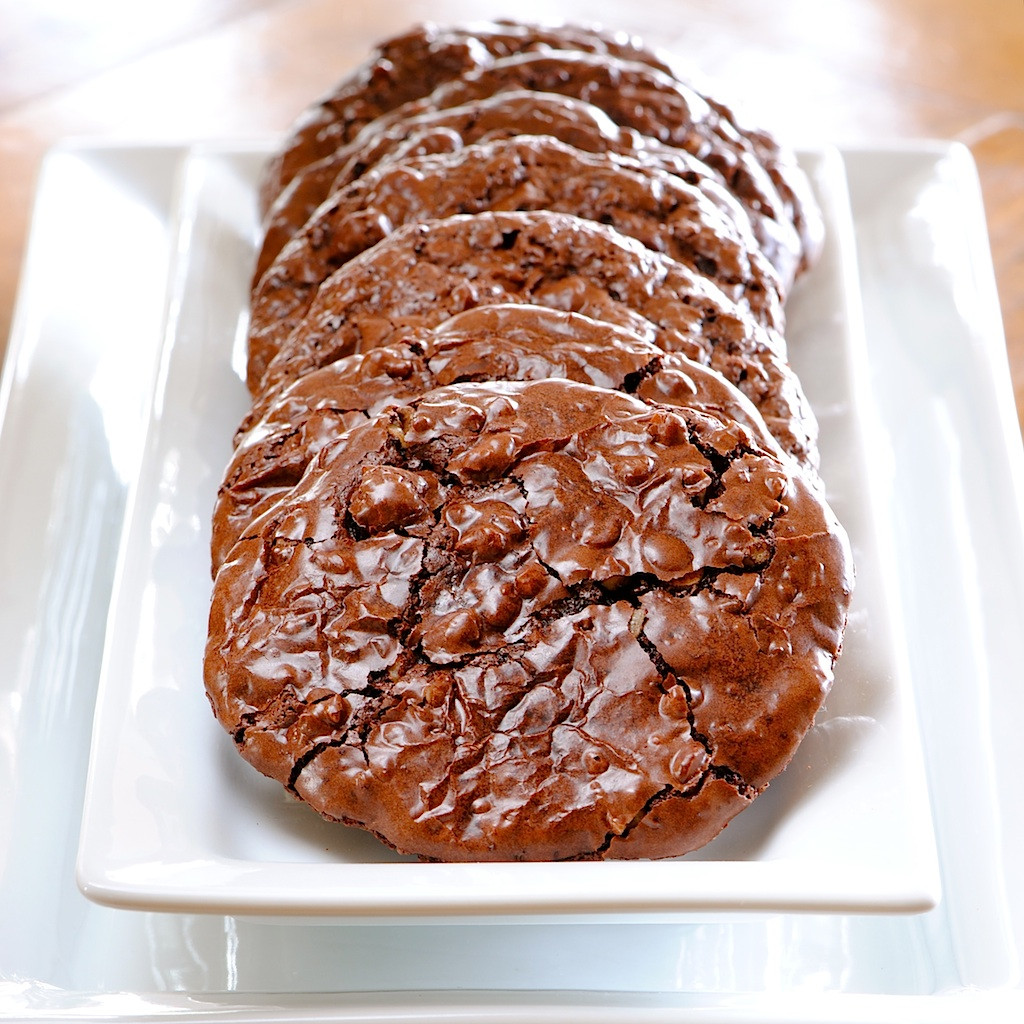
(522, 173)
(502, 115)
(517, 621)
(760, 173)
(507, 115)
(277, 442)
(425, 272)
(516, 112)
(409, 66)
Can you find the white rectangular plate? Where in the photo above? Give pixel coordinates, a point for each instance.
(89, 315)
(175, 821)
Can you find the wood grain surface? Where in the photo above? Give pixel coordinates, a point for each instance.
(846, 71)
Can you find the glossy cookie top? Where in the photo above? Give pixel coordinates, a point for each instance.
(278, 440)
(411, 64)
(427, 271)
(531, 172)
(532, 620)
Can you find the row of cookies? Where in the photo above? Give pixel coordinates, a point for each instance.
(521, 553)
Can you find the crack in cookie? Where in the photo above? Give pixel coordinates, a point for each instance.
(532, 620)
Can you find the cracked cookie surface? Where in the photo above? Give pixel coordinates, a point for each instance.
(411, 64)
(426, 271)
(532, 620)
(509, 114)
(528, 172)
(278, 440)
(640, 88)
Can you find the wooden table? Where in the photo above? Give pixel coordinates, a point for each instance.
(843, 71)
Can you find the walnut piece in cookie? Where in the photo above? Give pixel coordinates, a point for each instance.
(537, 620)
